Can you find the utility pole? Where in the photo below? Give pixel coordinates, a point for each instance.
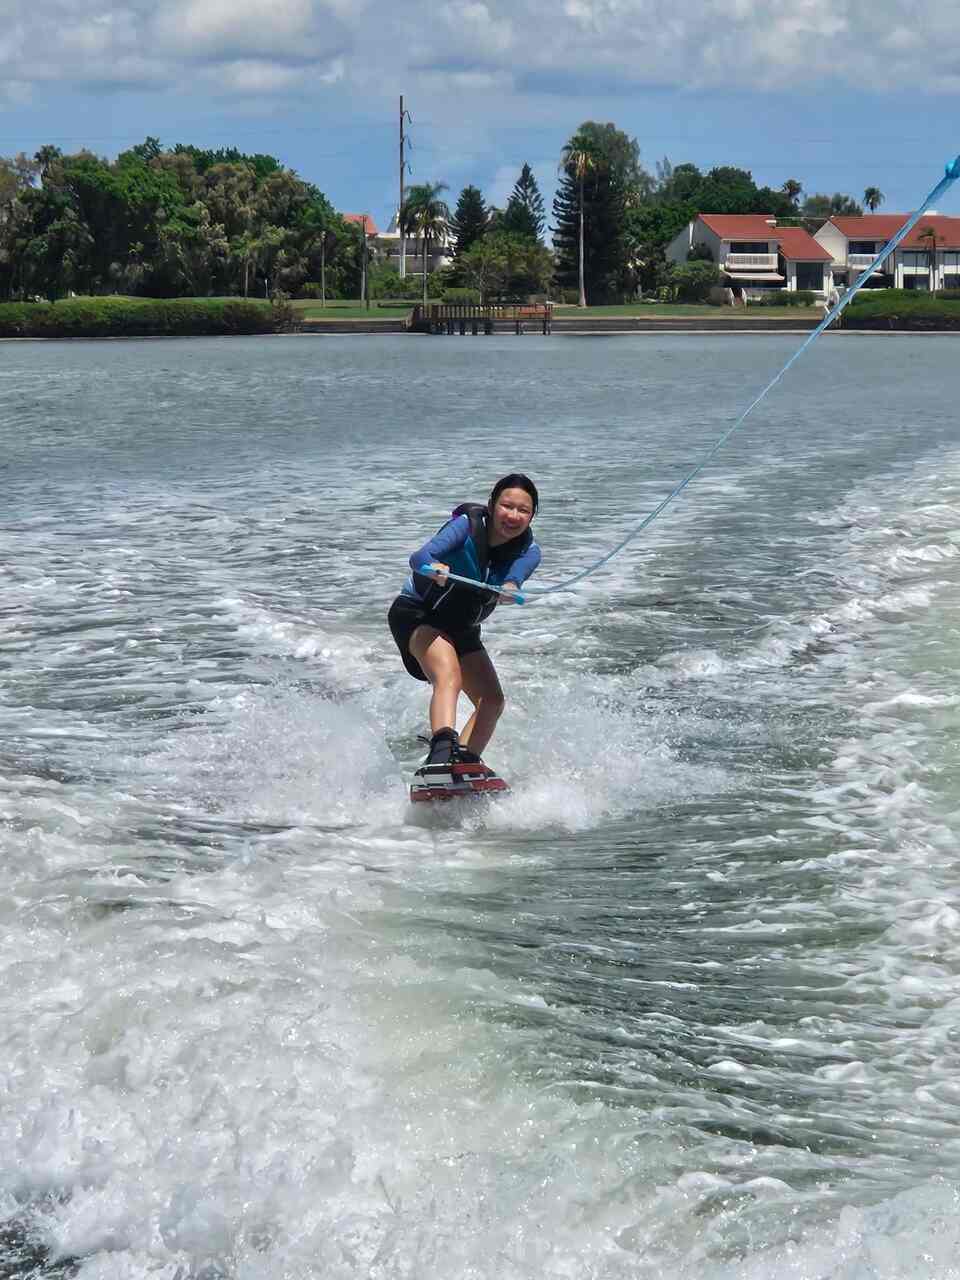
(364, 282)
(404, 115)
(323, 268)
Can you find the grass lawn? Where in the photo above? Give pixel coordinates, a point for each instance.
(342, 309)
(680, 309)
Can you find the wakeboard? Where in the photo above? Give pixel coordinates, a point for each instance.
(455, 782)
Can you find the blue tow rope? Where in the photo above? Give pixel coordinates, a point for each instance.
(951, 174)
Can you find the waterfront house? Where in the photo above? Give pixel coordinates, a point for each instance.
(928, 259)
(755, 254)
(387, 244)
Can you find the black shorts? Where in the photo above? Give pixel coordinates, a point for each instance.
(406, 615)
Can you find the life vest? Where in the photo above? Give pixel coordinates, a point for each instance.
(457, 605)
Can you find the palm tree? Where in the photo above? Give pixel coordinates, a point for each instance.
(577, 161)
(424, 214)
(929, 234)
(873, 197)
(792, 189)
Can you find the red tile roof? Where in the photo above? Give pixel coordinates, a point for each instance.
(881, 226)
(793, 242)
(799, 246)
(359, 218)
(740, 226)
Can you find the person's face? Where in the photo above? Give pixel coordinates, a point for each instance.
(512, 513)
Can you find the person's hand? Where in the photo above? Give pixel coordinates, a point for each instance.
(440, 572)
(507, 593)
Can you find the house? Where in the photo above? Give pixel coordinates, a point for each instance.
(364, 220)
(929, 257)
(755, 254)
(387, 246)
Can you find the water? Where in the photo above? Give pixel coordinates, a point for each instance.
(686, 1003)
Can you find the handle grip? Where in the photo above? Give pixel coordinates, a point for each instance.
(517, 596)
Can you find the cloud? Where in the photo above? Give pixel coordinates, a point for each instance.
(486, 52)
(256, 46)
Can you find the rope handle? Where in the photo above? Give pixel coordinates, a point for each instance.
(516, 596)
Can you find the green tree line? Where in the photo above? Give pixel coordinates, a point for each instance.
(613, 219)
(168, 223)
(186, 221)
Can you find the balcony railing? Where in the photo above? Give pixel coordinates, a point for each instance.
(860, 260)
(766, 261)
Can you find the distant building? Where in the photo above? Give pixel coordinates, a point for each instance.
(439, 252)
(755, 255)
(362, 220)
(921, 261)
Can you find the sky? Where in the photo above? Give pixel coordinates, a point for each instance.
(839, 94)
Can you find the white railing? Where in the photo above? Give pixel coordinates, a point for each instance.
(768, 261)
(860, 260)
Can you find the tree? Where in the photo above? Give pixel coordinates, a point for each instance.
(152, 222)
(649, 228)
(601, 178)
(929, 236)
(679, 184)
(873, 197)
(690, 281)
(824, 207)
(793, 190)
(524, 214)
(578, 161)
(505, 263)
(426, 215)
(193, 249)
(469, 220)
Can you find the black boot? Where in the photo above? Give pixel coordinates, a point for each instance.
(444, 746)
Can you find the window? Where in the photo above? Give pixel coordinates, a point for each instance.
(864, 246)
(749, 246)
(914, 261)
(810, 275)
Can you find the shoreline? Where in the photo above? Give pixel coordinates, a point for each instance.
(609, 327)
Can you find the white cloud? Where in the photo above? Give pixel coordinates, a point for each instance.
(211, 28)
(484, 52)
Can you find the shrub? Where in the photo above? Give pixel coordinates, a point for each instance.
(469, 296)
(285, 318)
(693, 280)
(134, 317)
(901, 309)
(786, 298)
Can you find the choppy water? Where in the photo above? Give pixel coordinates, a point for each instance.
(685, 1004)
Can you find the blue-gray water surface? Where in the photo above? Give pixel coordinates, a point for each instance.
(685, 1003)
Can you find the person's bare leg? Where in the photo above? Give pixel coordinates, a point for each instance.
(441, 666)
(482, 686)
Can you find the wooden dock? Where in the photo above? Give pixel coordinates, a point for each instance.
(466, 317)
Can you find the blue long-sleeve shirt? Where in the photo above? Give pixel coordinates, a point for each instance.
(453, 545)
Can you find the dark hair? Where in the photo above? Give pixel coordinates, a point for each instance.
(515, 480)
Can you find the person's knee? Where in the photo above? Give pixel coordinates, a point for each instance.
(446, 679)
(445, 675)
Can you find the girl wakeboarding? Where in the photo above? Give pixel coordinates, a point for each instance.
(435, 620)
